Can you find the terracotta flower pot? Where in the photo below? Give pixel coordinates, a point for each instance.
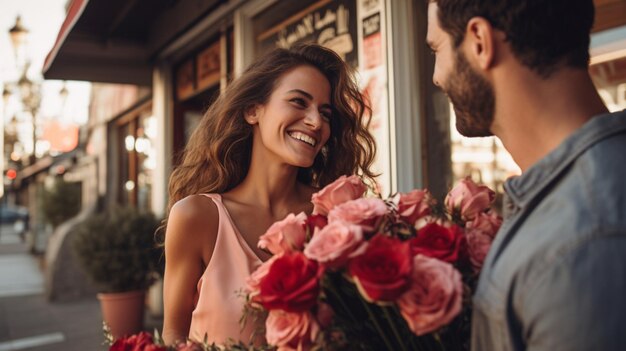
(123, 312)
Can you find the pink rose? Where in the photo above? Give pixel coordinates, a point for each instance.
(366, 212)
(291, 330)
(469, 199)
(487, 223)
(434, 297)
(382, 272)
(285, 236)
(341, 190)
(478, 245)
(333, 245)
(414, 205)
(479, 235)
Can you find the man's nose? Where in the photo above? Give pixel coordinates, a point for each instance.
(435, 80)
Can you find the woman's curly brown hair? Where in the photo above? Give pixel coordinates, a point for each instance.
(217, 156)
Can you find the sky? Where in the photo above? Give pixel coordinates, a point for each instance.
(42, 18)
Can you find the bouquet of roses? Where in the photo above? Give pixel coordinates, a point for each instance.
(144, 341)
(363, 273)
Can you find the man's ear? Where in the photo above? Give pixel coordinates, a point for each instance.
(252, 114)
(480, 42)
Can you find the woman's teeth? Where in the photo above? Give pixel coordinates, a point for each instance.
(303, 137)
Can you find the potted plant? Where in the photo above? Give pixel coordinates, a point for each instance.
(118, 252)
(61, 201)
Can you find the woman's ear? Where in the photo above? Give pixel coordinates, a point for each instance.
(252, 114)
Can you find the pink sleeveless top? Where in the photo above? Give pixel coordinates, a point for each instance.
(219, 305)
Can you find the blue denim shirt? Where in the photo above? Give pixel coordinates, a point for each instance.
(555, 277)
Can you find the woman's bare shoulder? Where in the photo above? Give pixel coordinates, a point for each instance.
(193, 218)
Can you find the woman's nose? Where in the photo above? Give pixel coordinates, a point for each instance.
(313, 119)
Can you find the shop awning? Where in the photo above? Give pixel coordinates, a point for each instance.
(115, 41)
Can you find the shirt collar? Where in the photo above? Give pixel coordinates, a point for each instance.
(522, 189)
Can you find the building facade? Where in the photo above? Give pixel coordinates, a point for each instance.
(183, 53)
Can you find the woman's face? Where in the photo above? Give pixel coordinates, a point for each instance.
(293, 126)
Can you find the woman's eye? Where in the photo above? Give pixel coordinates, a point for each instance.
(298, 101)
(326, 115)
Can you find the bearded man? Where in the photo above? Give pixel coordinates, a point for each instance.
(555, 277)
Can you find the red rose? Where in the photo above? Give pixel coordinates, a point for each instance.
(381, 273)
(316, 221)
(121, 345)
(291, 284)
(136, 342)
(438, 241)
(189, 346)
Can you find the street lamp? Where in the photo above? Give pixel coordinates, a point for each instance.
(19, 36)
(6, 95)
(29, 90)
(31, 99)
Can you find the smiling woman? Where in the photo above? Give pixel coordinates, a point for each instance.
(291, 124)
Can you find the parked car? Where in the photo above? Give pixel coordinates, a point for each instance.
(16, 216)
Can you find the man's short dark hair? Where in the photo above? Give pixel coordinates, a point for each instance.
(543, 34)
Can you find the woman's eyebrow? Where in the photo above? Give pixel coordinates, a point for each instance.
(302, 92)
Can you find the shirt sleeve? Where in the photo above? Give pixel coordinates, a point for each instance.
(579, 301)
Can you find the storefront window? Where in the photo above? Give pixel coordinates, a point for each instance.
(485, 160)
(608, 67)
(355, 30)
(199, 77)
(137, 158)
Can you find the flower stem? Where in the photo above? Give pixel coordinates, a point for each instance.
(438, 338)
(393, 327)
(331, 288)
(378, 328)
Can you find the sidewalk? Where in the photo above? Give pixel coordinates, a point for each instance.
(28, 321)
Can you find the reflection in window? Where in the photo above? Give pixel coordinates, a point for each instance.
(137, 159)
(610, 80)
(485, 160)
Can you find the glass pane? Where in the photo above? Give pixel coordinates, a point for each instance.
(124, 144)
(610, 80)
(485, 160)
(146, 159)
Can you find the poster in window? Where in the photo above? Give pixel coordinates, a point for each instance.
(372, 42)
(328, 23)
(374, 84)
(185, 80)
(208, 66)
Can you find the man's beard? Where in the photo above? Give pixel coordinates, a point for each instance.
(472, 98)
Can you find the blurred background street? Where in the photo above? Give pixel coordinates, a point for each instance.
(99, 99)
(27, 320)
